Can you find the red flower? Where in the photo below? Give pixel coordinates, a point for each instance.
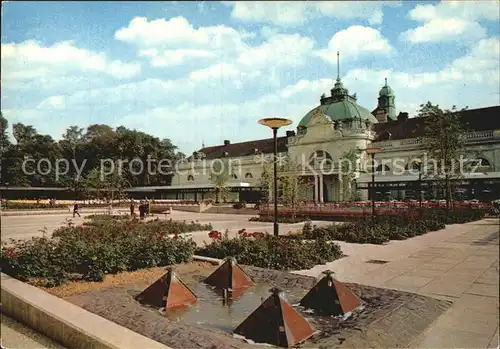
(9, 252)
(215, 235)
(242, 231)
(81, 228)
(176, 236)
(258, 234)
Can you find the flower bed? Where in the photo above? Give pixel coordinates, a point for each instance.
(268, 251)
(88, 252)
(382, 229)
(281, 219)
(45, 206)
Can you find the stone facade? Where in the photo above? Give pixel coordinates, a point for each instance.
(329, 131)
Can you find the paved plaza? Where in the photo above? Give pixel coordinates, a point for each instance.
(459, 263)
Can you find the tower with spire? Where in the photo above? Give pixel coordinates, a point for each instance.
(386, 107)
(338, 92)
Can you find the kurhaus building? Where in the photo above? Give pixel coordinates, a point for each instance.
(339, 124)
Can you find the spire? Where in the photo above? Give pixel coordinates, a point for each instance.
(385, 81)
(338, 65)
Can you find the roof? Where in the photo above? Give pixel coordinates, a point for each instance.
(341, 110)
(265, 146)
(481, 119)
(386, 91)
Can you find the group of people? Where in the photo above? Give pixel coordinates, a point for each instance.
(143, 208)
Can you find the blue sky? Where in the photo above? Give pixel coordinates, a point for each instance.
(207, 71)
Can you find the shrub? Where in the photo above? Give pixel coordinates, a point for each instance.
(91, 252)
(281, 219)
(240, 205)
(268, 251)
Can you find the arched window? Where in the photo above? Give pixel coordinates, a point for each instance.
(321, 158)
(248, 175)
(481, 164)
(413, 164)
(383, 168)
(233, 176)
(190, 178)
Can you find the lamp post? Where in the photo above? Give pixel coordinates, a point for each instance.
(372, 152)
(275, 124)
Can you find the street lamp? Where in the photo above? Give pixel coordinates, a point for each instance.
(418, 163)
(275, 124)
(372, 152)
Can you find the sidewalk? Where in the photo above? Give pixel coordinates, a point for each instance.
(458, 263)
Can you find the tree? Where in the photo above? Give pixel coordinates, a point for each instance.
(348, 167)
(219, 176)
(443, 140)
(292, 184)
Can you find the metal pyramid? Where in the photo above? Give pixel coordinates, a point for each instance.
(275, 322)
(167, 292)
(229, 275)
(330, 297)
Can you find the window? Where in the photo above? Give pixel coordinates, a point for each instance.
(383, 168)
(321, 159)
(480, 164)
(190, 178)
(248, 175)
(233, 176)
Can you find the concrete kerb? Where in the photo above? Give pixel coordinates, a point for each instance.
(84, 212)
(64, 322)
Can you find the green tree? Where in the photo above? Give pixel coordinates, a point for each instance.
(220, 175)
(348, 167)
(443, 140)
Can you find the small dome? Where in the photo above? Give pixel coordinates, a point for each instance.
(386, 91)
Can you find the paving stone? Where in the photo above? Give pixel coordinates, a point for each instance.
(438, 337)
(424, 272)
(413, 282)
(483, 289)
(444, 288)
(494, 341)
(470, 320)
(482, 304)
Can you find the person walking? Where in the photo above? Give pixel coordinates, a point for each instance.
(132, 208)
(75, 210)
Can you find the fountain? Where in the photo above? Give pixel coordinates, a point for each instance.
(229, 276)
(275, 322)
(330, 297)
(167, 292)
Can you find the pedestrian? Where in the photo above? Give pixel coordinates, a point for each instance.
(142, 211)
(132, 208)
(75, 210)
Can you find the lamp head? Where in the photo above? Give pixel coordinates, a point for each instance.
(373, 150)
(275, 123)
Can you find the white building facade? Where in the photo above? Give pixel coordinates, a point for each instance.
(324, 135)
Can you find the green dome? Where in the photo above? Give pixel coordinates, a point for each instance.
(386, 91)
(341, 110)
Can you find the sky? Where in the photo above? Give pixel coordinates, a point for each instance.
(203, 72)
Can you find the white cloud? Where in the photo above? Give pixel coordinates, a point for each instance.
(282, 50)
(289, 13)
(451, 21)
(174, 57)
(171, 42)
(268, 32)
(30, 60)
(354, 42)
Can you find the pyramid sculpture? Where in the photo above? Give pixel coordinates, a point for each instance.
(167, 292)
(330, 297)
(229, 275)
(275, 322)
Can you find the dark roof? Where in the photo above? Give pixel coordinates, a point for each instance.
(265, 146)
(481, 119)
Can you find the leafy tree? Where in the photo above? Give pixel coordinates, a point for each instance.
(444, 142)
(221, 173)
(348, 167)
(292, 184)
